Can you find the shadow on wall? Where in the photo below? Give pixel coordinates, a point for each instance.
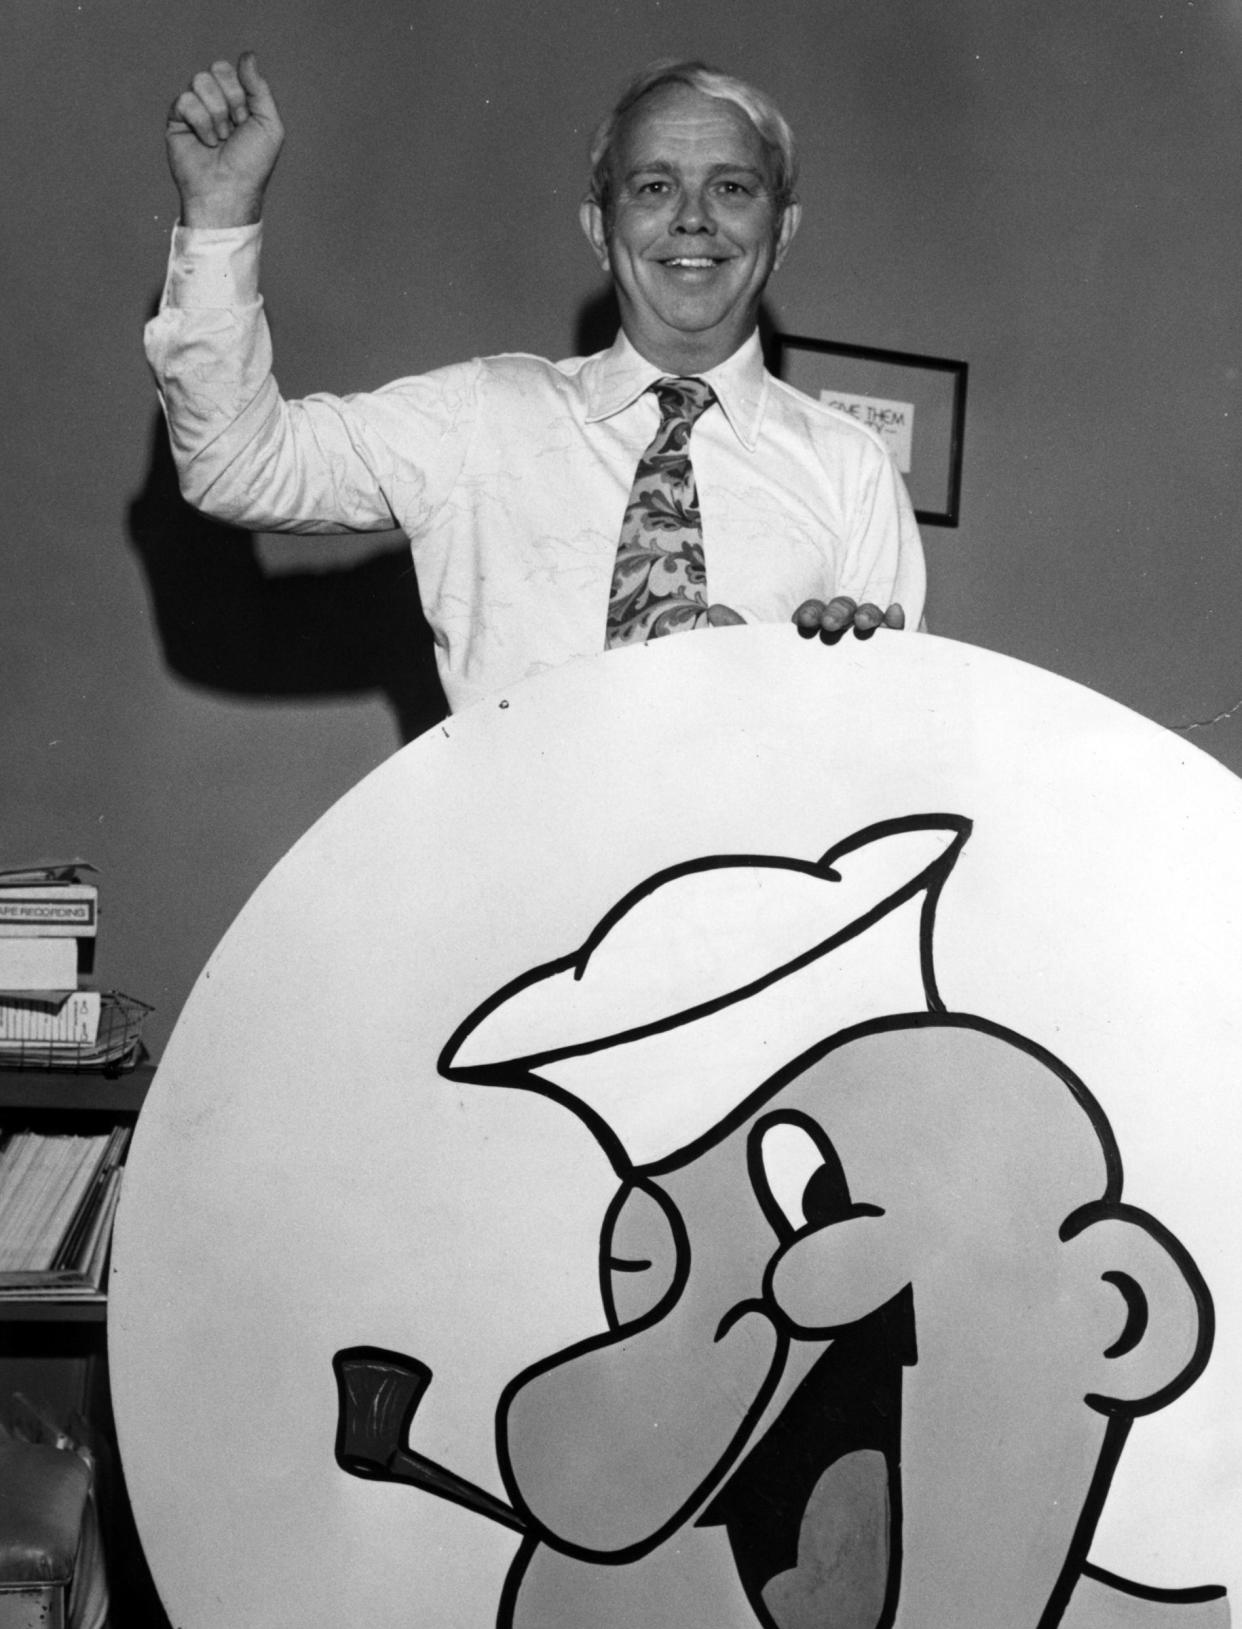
(597, 323)
(228, 625)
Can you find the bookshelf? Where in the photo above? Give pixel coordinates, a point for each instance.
(61, 1100)
(55, 1352)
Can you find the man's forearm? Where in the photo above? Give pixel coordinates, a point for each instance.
(209, 350)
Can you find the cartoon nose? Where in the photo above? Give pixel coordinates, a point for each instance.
(611, 1446)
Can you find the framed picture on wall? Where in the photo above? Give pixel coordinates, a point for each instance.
(916, 403)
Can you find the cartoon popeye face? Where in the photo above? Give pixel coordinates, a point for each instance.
(877, 1321)
(881, 1335)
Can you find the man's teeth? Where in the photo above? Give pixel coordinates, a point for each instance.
(700, 260)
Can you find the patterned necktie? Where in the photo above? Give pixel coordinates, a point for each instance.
(659, 582)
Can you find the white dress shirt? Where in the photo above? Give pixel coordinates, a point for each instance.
(510, 475)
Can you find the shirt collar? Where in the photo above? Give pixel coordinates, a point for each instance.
(615, 378)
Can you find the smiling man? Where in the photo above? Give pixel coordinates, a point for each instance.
(690, 212)
(553, 509)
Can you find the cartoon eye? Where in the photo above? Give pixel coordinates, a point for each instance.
(800, 1179)
(644, 1255)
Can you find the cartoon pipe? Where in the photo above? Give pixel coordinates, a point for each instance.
(378, 1393)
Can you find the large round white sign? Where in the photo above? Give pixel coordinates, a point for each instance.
(733, 1133)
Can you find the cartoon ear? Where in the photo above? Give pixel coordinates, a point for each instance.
(1149, 1297)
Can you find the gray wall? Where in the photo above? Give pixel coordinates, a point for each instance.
(1050, 192)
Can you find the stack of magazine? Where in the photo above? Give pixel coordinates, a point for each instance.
(58, 1196)
(49, 1017)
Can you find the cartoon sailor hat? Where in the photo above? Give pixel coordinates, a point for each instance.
(703, 982)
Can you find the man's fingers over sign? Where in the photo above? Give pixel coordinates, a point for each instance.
(831, 619)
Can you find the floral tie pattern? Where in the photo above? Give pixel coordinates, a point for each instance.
(659, 582)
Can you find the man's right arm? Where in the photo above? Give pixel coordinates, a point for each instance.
(244, 454)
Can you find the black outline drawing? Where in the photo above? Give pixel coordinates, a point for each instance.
(380, 1390)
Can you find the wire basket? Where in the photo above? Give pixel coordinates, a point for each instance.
(117, 1045)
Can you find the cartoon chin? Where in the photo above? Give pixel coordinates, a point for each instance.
(813, 1512)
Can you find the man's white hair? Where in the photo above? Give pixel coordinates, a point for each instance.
(762, 112)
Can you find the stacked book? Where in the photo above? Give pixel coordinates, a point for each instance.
(58, 1197)
(49, 921)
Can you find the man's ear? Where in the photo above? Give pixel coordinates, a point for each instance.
(591, 219)
(1148, 1303)
(791, 220)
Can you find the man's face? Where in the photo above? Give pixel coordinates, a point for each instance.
(850, 1336)
(694, 231)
